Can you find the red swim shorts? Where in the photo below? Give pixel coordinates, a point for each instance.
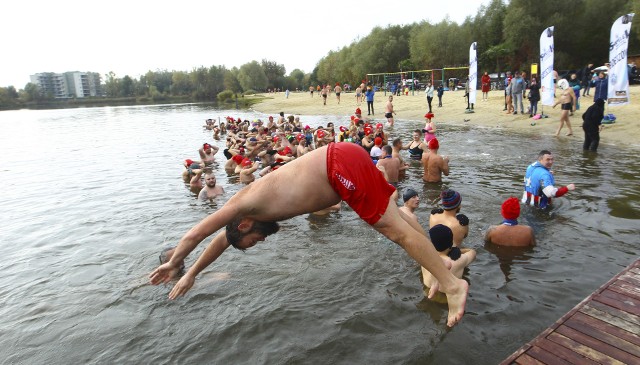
(356, 179)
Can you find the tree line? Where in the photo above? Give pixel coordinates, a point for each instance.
(507, 35)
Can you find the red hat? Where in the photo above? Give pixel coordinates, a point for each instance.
(353, 117)
(237, 159)
(368, 130)
(343, 128)
(206, 146)
(321, 134)
(511, 208)
(285, 151)
(271, 117)
(379, 125)
(377, 141)
(307, 127)
(434, 144)
(358, 111)
(429, 115)
(246, 162)
(276, 139)
(300, 137)
(188, 162)
(356, 120)
(241, 149)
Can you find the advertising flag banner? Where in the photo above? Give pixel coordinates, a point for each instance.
(618, 75)
(547, 87)
(473, 73)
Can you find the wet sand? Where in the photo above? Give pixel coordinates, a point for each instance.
(624, 132)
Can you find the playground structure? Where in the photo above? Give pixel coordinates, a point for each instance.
(405, 82)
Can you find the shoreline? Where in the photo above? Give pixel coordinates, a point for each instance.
(624, 132)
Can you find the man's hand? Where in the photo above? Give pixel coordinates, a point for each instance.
(182, 286)
(164, 273)
(571, 187)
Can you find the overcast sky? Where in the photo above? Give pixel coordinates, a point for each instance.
(134, 36)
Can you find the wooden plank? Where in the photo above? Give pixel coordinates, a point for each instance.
(631, 278)
(545, 356)
(602, 328)
(563, 352)
(588, 353)
(597, 345)
(625, 288)
(606, 317)
(598, 330)
(619, 301)
(605, 307)
(528, 360)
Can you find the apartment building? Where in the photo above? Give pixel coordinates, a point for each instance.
(69, 84)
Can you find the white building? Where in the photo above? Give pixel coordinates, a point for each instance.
(69, 84)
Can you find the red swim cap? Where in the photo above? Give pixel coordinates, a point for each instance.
(188, 162)
(377, 141)
(206, 146)
(511, 208)
(237, 159)
(300, 137)
(379, 125)
(429, 115)
(343, 128)
(368, 131)
(246, 162)
(434, 144)
(321, 134)
(358, 111)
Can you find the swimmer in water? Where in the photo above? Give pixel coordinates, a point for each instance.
(324, 177)
(510, 233)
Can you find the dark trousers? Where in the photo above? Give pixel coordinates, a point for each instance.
(439, 100)
(591, 139)
(587, 87)
(370, 107)
(429, 100)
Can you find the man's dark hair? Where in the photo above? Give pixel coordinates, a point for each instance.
(542, 153)
(387, 149)
(234, 236)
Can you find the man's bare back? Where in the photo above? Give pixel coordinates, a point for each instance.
(513, 236)
(434, 166)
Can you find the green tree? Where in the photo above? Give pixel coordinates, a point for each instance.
(274, 73)
(252, 77)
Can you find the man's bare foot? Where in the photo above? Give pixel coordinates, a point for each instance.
(457, 299)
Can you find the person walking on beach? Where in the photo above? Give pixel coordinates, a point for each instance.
(389, 112)
(358, 96)
(568, 101)
(369, 94)
(507, 81)
(539, 184)
(325, 176)
(518, 85)
(534, 97)
(429, 94)
(592, 125)
(311, 90)
(510, 233)
(587, 75)
(601, 87)
(440, 92)
(434, 164)
(337, 90)
(324, 91)
(486, 86)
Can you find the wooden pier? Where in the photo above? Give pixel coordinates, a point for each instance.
(603, 329)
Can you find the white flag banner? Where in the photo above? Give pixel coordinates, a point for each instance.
(473, 73)
(547, 88)
(618, 75)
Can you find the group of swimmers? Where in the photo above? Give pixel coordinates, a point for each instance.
(326, 174)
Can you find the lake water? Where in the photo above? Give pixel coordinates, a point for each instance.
(90, 197)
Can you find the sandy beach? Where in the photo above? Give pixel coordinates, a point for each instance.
(624, 132)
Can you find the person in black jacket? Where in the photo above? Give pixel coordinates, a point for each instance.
(592, 125)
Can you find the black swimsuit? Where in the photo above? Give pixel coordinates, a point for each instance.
(415, 153)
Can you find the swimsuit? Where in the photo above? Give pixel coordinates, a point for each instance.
(415, 153)
(388, 115)
(567, 106)
(358, 181)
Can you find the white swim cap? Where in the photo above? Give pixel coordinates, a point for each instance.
(563, 84)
